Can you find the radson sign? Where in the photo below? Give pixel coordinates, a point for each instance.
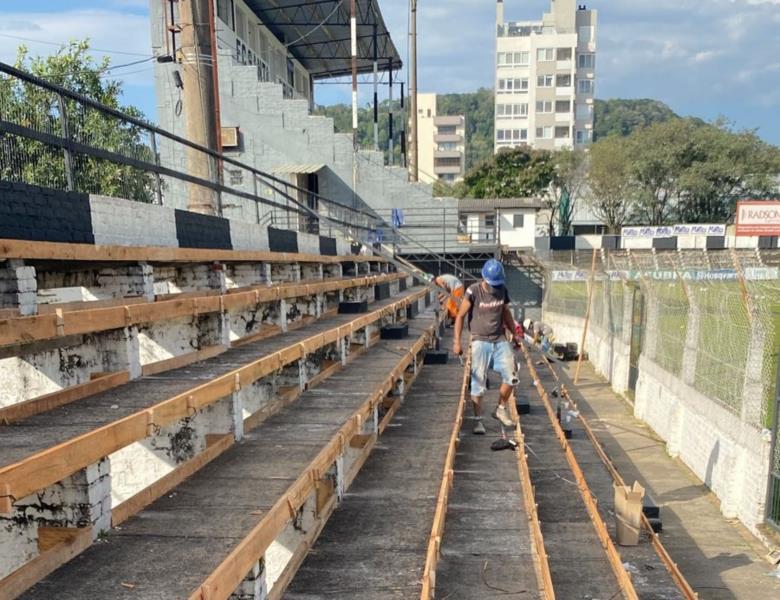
(758, 217)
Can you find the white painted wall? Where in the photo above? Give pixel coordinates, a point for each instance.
(517, 237)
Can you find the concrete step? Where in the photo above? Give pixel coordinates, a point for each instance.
(244, 523)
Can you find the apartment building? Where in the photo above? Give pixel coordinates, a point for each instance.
(545, 78)
(442, 143)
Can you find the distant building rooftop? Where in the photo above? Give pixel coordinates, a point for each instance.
(479, 204)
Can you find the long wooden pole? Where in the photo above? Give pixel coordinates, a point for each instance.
(587, 315)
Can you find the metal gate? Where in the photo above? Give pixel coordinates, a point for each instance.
(637, 335)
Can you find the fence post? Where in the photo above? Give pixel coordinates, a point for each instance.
(66, 149)
(157, 180)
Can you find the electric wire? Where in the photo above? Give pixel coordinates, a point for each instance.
(65, 45)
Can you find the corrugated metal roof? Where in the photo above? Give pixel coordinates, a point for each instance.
(295, 169)
(466, 204)
(318, 34)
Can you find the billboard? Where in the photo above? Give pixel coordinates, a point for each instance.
(672, 230)
(758, 218)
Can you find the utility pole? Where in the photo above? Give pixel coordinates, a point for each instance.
(199, 95)
(353, 39)
(390, 115)
(413, 165)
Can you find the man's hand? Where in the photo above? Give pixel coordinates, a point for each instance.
(457, 348)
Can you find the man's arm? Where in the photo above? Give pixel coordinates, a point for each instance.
(509, 321)
(465, 306)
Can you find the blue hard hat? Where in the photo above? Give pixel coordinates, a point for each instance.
(493, 273)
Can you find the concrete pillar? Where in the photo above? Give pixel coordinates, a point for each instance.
(753, 387)
(18, 287)
(651, 323)
(254, 587)
(628, 312)
(690, 350)
(127, 281)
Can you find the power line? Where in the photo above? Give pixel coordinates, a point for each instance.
(63, 45)
(130, 64)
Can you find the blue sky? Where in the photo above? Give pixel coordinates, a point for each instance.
(704, 58)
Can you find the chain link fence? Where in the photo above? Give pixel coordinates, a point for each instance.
(712, 317)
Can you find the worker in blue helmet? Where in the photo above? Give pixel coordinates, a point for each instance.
(486, 306)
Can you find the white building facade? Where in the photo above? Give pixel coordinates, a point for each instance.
(545, 78)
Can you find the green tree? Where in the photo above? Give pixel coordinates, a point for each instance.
(33, 107)
(570, 173)
(729, 166)
(609, 180)
(512, 173)
(621, 117)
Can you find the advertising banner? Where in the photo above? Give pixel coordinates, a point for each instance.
(672, 230)
(758, 217)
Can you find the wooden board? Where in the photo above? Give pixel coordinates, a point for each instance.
(182, 360)
(87, 252)
(71, 544)
(22, 410)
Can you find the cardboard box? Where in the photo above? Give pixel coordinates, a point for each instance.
(628, 513)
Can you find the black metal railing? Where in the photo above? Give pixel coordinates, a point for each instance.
(54, 137)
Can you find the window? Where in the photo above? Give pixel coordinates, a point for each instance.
(225, 11)
(544, 133)
(543, 54)
(562, 133)
(564, 54)
(447, 146)
(586, 61)
(585, 34)
(583, 136)
(544, 81)
(517, 85)
(563, 106)
(511, 135)
(585, 86)
(563, 80)
(429, 113)
(490, 221)
(521, 59)
(544, 106)
(446, 130)
(512, 59)
(584, 111)
(518, 221)
(512, 111)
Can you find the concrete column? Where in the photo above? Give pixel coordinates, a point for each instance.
(216, 330)
(628, 312)
(688, 372)
(254, 587)
(18, 287)
(129, 281)
(753, 387)
(651, 323)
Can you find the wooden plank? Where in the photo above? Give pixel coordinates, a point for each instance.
(49, 537)
(266, 331)
(360, 440)
(182, 360)
(90, 320)
(214, 447)
(22, 410)
(54, 464)
(18, 582)
(111, 253)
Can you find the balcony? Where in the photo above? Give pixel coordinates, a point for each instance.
(447, 154)
(447, 169)
(445, 121)
(455, 138)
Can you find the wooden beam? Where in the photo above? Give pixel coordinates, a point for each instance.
(22, 330)
(28, 408)
(109, 253)
(73, 543)
(53, 464)
(223, 581)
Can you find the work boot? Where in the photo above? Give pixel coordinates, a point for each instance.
(502, 414)
(479, 427)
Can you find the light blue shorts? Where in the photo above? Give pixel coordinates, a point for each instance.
(497, 354)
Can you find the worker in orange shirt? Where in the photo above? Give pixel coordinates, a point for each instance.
(455, 290)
